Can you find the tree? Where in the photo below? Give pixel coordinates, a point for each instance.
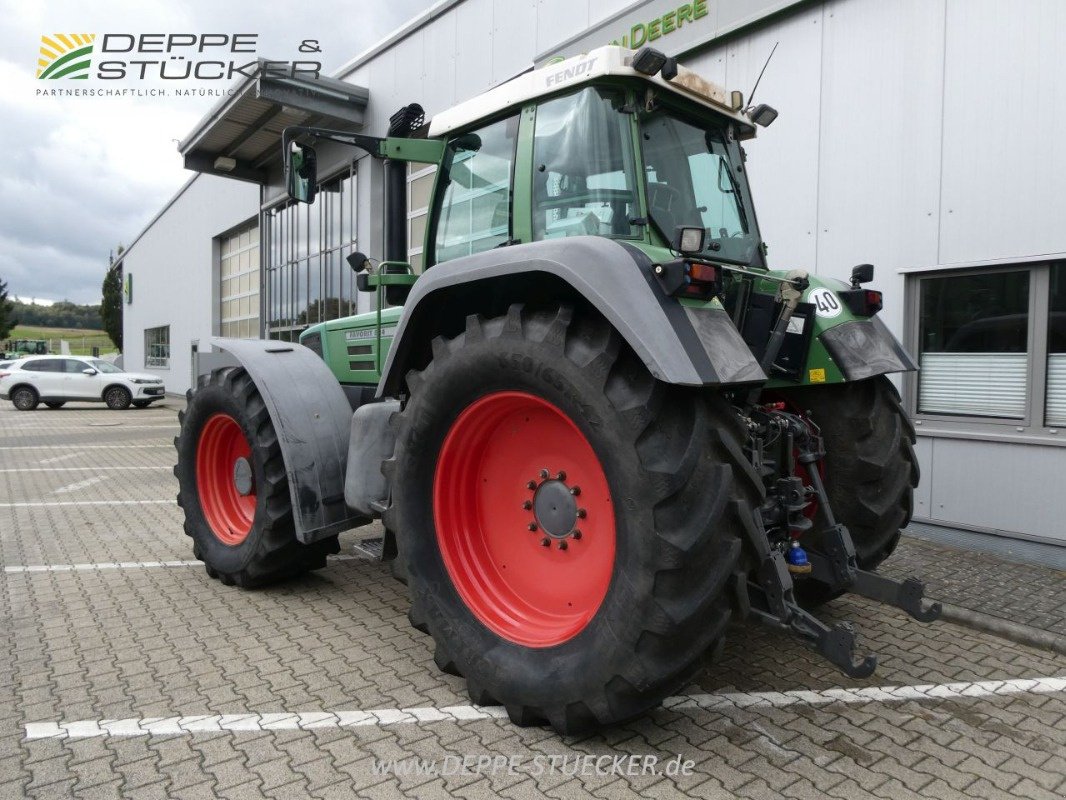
(111, 306)
(7, 312)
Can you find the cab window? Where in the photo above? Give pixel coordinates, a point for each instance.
(475, 210)
(584, 181)
(44, 365)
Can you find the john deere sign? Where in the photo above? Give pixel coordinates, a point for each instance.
(673, 20)
(667, 25)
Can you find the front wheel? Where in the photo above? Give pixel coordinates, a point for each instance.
(118, 398)
(234, 489)
(568, 525)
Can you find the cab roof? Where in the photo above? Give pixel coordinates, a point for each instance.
(578, 70)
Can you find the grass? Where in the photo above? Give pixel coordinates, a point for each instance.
(81, 341)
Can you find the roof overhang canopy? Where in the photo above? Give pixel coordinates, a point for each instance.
(240, 136)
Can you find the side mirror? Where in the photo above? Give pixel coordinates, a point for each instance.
(358, 262)
(863, 273)
(301, 173)
(88, 371)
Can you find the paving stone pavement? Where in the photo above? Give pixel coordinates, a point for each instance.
(148, 642)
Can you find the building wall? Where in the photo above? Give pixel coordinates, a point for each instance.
(174, 265)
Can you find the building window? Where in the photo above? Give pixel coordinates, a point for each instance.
(992, 345)
(239, 284)
(420, 179)
(308, 281)
(476, 208)
(157, 347)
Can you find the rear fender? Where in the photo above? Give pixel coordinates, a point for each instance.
(311, 417)
(679, 344)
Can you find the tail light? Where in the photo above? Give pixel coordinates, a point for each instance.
(862, 302)
(689, 279)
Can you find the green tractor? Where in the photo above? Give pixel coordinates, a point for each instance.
(20, 348)
(597, 428)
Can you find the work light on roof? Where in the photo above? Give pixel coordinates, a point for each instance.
(648, 61)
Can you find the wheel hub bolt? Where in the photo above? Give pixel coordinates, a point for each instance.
(561, 476)
(527, 505)
(544, 474)
(545, 542)
(531, 485)
(576, 534)
(532, 526)
(575, 490)
(562, 545)
(582, 513)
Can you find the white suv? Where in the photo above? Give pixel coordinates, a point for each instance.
(55, 380)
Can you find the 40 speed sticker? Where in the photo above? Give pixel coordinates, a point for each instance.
(826, 303)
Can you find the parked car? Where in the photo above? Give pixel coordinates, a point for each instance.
(55, 381)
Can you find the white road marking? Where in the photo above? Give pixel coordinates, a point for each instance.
(59, 458)
(74, 487)
(47, 503)
(79, 469)
(94, 567)
(306, 720)
(21, 569)
(85, 447)
(88, 426)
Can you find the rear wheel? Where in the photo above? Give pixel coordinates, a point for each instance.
(25, 399)
(234, 489)
(870, 466)
(118, 398)
(567, 524)
(55, 403)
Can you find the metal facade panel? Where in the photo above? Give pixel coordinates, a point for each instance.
(473, 48)
(1004, 130)
(970, 480)
(441, 45)
(558, 19)
(923, 499)
(783, 167)
(512, 23)
(879, 147)
(410, 61)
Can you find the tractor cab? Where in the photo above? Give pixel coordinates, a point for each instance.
(613, 144)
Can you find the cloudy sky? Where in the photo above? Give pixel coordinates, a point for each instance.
(82, 174)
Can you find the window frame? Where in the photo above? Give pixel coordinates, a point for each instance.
(1032, 426)
(147, 347)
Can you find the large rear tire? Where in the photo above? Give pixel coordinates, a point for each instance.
(870, 466)
(233, 486)
(567, 524)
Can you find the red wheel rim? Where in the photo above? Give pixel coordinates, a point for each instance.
(228, 512)
(512, 461)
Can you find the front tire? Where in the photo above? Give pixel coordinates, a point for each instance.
(234, 489)
(504, 424)
(118, 398)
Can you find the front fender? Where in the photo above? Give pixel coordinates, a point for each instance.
(679, 344)
(311, 417)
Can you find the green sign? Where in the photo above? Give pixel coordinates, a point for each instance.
(642, 33)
